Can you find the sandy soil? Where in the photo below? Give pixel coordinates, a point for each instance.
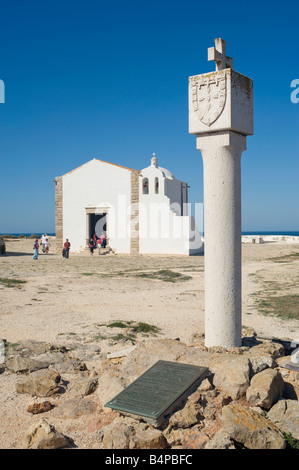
(73, 296)
(64, 301)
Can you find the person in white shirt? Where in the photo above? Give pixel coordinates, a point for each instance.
(47, 245)
(44, 238)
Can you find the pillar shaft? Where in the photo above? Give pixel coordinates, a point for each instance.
(221, 152)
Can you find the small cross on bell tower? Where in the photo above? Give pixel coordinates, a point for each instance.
(218, 55)
(154, 160)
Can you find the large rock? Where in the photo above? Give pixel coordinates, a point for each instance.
(42, 383)
(146, 437)
(194, 438)
(186, 417)
(191, 438)
(285, 415)
(42, 435)
(174, 437)
(273, 348)
(110, 384)
(70, 367)
(220, 440)
(36, 408)
(25, 364)
(231, 374)
(117, 435)
(264, 355)
(250, 428)
(72, 409)
(52, 357)
(265, 389)
(127, 433)
(83, 386)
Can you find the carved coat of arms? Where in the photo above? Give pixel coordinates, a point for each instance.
(208, 96)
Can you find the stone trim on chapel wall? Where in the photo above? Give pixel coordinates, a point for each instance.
(59, 213)
(134, 222)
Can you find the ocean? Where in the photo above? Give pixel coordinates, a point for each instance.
(286, 233)
(257, 232)
(27, 234)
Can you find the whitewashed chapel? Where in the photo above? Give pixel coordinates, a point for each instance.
(140, 212)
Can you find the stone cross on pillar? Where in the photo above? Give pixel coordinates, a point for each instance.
(221, 116)
(218, 55)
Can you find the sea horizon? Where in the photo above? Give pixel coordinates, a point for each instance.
(290, 233)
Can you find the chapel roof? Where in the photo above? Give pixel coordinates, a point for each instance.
(154, 163)
(103, 161)
(166, 172)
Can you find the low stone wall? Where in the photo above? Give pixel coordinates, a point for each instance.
(269, 238)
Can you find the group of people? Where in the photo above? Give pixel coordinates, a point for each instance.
(98, 243)
(44, 243)
(93, 244)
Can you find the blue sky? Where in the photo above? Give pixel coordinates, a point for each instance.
(110, 80)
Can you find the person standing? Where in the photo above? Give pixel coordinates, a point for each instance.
(35, 249)
(99, 243)
(66, 248)
(91, 246)
(43, 242)
(47, 245)
(104, 242)
(102, 237)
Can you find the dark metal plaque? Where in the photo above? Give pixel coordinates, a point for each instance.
(154, 394)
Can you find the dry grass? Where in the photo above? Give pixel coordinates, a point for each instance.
(285, 306)
(165, 275)
(11, 282)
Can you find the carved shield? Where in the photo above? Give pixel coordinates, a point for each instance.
(208, 97)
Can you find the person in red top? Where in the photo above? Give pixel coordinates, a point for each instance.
(35, 249)
(66, 249)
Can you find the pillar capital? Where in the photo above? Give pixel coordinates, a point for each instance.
(214, 140)
(220, 101)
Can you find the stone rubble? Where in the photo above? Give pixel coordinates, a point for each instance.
(42, 435)
(43, 407)
(41, 383)
(285, 415)
(243, 403)
(251, 429)
(265, 389)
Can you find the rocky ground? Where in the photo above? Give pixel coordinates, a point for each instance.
(55, 396)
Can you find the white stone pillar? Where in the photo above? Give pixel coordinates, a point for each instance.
(222, 232)
(221, 116)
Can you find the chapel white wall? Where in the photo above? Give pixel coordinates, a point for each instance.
(162, 230)
(97, 184)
